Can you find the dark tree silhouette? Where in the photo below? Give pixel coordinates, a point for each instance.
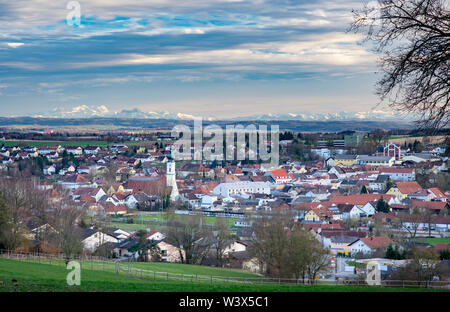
(413, 40)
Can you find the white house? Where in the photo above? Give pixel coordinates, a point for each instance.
(353, 213)
(131, 201)
(91, 150)
(49, 170)
(369, 209)
(233, 188)
(207, 201)
(155, 236)
(121, 234)
(280, 176)
(386, 161)
(76, 150)
(234, 246)
(400, 174)
(323, 152)
(420, 157)
(53, 155)
(92, 239)
(368, 245)
(442, 223)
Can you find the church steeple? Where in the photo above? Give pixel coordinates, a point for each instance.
(171, 179)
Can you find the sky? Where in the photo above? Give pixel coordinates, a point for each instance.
(216, 58)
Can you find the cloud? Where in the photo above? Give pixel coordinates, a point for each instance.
(133, 45)
(14, 44)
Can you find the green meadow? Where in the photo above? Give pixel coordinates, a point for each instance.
(22, 276)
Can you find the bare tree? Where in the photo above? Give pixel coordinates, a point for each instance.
(187, 233)
(298, 257)
(413, 39)
(414, 220)
(222, 238)
(66, 218)
(269, 243)
(286, 248)
(14, 193)
(38, 203)
(423, 265)
(110, 173)
(318, 259)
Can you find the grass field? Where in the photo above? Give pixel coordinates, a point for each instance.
(46, 277)
(161, 268)
(192, 269)
(434, 241)
(159, 217)
(156, 222)
(132, 227)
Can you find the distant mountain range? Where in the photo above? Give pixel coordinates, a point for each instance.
(85, 111)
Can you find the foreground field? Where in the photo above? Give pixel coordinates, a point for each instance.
(158, 270)
(24, 276)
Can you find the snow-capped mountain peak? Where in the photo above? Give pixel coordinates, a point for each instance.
(85, 111)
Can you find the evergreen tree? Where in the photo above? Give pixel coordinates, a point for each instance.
(382, 205)
(444, 254)
(390, 252)
(389, 184)
(364, 190)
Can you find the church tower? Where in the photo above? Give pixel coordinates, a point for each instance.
(171, 179)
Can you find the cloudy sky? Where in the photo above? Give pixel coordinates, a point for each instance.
(219, 58)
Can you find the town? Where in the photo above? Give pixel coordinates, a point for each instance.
(349, 199)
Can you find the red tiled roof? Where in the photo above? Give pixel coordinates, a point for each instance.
(342, 232)
(436, 191)
(376, 242)
(397, 170)
(109, 207)
(442, 219)
(121, 195)
(324, 226)
(358, 199)
(434, 205)
(409, 187)
(87, 198)
(279, 173)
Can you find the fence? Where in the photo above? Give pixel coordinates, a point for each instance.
(128, 268)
